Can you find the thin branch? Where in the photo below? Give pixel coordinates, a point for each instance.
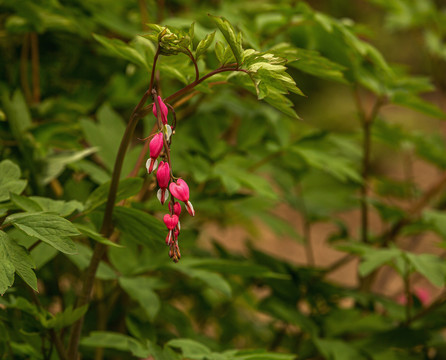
(107, 227)
(35, 66)
(24, 67)
(197, 73)
(152, 76)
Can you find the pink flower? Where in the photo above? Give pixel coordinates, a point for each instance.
(163, 178)
(155, 147)
(171, 221)
(163, 175)
(180, 190)
(176, 208)
(163, 109)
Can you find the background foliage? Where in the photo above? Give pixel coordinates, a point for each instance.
(71, 73)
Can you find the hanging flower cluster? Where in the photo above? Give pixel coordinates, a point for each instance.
(166, 181)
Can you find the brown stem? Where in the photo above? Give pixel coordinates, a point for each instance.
(407, 290)
(152, 76)
(24, 68)
(34, 245)
(35, 66)
(144, 14)
(197, 73)
(196, 82)
(107, 227)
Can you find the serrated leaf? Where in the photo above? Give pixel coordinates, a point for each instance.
(204, 44)
(139, 290)
(52, 229)
(127, 188)
(25, 203)
(219, 52)
(10, 181)
(228, 32)
(60, 207)
(14, 257)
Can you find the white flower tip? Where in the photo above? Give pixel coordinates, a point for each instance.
(151, 165)
(162, 195)
(190, 208)
(167, 131)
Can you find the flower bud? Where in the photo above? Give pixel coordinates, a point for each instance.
(163, 175)
(163, 109)
(176, 208)
(155, 147)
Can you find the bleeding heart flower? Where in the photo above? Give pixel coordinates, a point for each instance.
(180, 190)
(163, 178)
(171, 221)
(155, 147)
(163, 109)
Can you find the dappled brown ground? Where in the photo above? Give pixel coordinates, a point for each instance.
(388, 282)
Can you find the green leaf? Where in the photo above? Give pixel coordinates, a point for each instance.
(110, 340)
(230, 267)
(375, 258)
(261, 355)
(82, 260)
(139, 290)
(417, 103)
(228, 32)
(213, 280)
(204, 44)
(92, 234)
(127, 188)
(53, 165)
(66, 318)
(16, 111)
(10, 180)
(190, 348)
(430, 266)
(219, 52)
(139, 226)
(59, 207)
(337, 350)
(14, 257)
(52, 229)
(25, 203)
(121, 49)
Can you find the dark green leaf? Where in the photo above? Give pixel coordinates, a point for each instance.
(10, 180)
(139, 290)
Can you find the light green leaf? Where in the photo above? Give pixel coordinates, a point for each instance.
(190, 348)
(25, 203)
(417, 103)
(375, 258)
(228, 32)
(430, 266)
(60, 207)
(139, 290)
(14, 257)
(10, 180)
(52, 229)
(219, 52)
(337, 350)
(127, 188)
(204, 44)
